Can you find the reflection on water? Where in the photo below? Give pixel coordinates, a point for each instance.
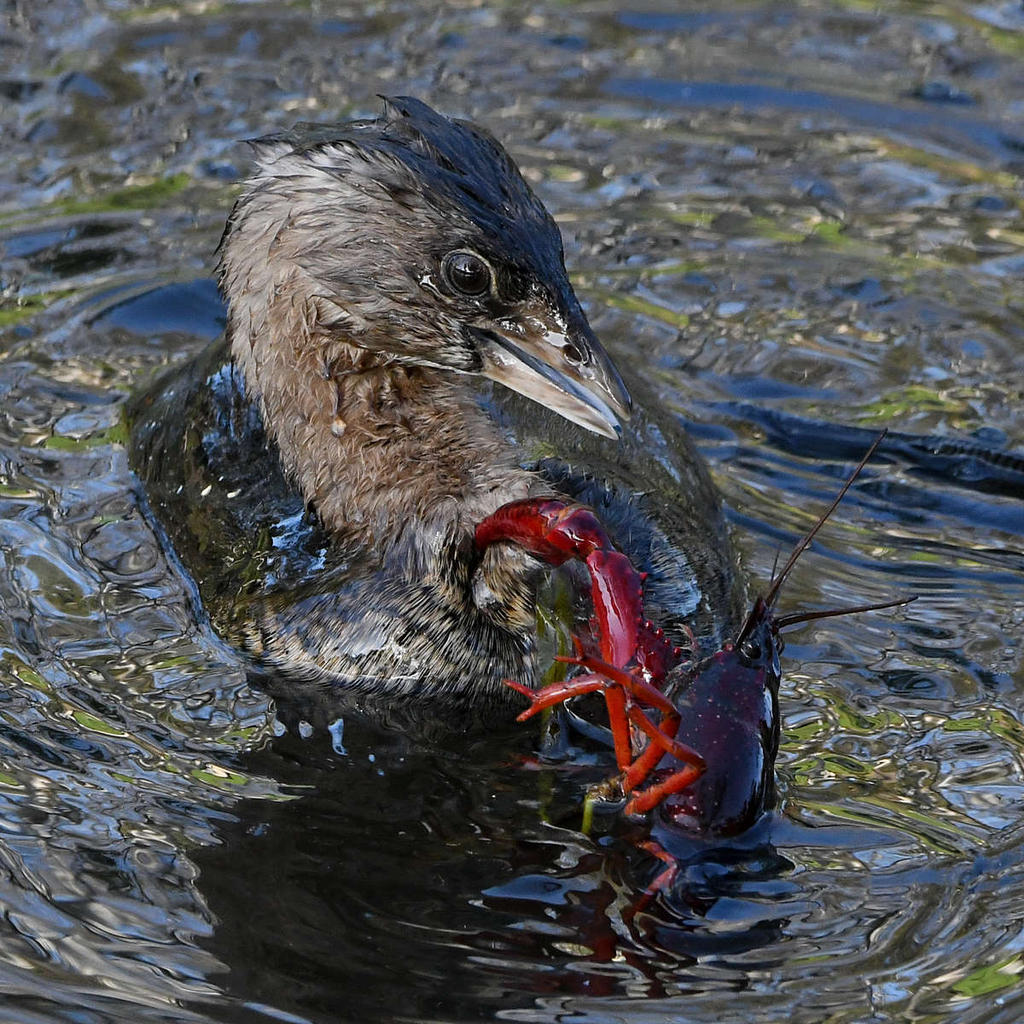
(806, 224)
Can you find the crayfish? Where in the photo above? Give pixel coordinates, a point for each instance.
(707, 761)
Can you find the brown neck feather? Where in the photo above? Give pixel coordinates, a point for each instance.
(375, 447)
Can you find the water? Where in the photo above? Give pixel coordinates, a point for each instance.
(807, 223)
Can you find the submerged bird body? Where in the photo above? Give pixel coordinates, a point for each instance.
(404, 355)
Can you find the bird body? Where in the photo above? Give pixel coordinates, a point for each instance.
(405, 355)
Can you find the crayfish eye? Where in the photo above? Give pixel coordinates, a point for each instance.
(466, 273)
(751, 649)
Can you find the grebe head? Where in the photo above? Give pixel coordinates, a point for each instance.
(413, 238)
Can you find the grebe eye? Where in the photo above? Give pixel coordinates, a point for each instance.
(751, 649)
(467, 273)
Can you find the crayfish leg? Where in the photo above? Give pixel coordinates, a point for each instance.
(637, 686)
(618, 720)
(555, 693)
(665, 878)
(649, 798)
(653, 753)
(663, 736)
(616, 701)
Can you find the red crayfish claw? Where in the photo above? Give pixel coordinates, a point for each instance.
(633, 658)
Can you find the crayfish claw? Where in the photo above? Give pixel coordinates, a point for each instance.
(626, 658)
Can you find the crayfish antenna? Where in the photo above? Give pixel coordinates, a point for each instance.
(792, 620)
(777, 581)
(809, 616)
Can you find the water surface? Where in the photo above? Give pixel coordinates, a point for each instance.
(798, 224)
